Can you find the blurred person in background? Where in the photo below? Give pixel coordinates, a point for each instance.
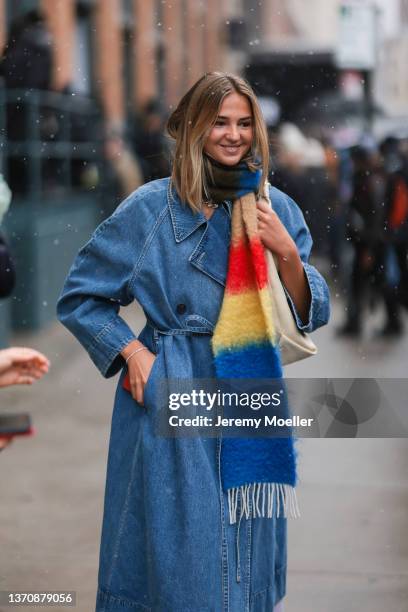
(303, 172)
(26, 64)
(394, 248)
(125, 166)
(7, 272)
(331, 193)
(20, 366)
(365, 230)
(169, 525)
(149, 143)
(79, 124)
(289, 172)
(344, 194)
(27, 57)
(5, 197)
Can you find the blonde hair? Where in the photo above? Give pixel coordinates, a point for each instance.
(190, 124)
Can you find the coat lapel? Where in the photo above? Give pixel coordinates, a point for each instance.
(210, 253)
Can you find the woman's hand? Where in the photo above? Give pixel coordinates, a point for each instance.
(139, 368)
(277, 239)
(21, 366)
(273, 233)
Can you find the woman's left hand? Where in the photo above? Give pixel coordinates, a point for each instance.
(277, 239)
(272, 232)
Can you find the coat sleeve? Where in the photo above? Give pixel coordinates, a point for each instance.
(99, 283)
(293, 219)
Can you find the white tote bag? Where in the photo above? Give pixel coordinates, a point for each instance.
(294, 344)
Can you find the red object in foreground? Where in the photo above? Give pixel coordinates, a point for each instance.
(10, 436)
(126, 383)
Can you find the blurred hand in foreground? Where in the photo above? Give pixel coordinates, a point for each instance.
(21, 366)
(4, 442)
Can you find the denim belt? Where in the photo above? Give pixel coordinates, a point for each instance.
(182, 331)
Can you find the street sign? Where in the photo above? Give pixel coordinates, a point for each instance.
(356, 35)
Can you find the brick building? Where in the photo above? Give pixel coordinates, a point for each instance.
(126, 52)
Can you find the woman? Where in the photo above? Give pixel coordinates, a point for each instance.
(167, 544)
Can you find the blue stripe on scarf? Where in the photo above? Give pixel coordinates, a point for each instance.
(275, 461)
(248, 182)
(256, 360)
(275, 457)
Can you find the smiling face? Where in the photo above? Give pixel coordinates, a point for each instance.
(230, 138)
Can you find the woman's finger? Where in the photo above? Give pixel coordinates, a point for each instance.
(263, 205)
(24, 379)
(266, 215)
(260, 212)
(266, 222)
(139, 393)
(28, 371)
(25, 354)
(132, 384)
(136, 386)
(33, 363)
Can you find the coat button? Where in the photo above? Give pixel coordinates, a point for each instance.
(181, 308)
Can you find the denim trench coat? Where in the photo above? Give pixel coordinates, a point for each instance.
(167, 545)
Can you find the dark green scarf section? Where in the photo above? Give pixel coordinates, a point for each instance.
(231, 182)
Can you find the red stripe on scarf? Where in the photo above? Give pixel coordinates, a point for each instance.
(247, 267)
(259, 262)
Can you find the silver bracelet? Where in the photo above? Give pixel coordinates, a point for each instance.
(142, 348)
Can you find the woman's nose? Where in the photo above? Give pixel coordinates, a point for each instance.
(233, 133)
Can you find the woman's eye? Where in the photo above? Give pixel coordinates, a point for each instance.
(222, 123)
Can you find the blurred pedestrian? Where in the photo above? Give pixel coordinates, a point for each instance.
(82, 124)
(149, 143)
(174, 511)
(365, 228)
(26, 64)
(7, 271)
(330, 197)
(5, 198)
(20, 366)
(125, 166)
(27, 57)
(394, 248)
(302, 172)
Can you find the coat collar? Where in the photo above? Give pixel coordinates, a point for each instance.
(183, 219)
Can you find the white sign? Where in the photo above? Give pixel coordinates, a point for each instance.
(357, 35)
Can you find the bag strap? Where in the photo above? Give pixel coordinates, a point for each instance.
(265, 195)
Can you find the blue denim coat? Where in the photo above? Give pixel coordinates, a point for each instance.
(167, 545)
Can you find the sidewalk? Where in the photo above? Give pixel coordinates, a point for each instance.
(348, 552)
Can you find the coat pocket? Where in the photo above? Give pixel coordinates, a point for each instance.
(126, 381)
(148, 396)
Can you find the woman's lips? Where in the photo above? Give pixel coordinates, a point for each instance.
(232, 149)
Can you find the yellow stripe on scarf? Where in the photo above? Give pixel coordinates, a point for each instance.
(244, 318)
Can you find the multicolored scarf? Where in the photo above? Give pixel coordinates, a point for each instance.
(260, 470)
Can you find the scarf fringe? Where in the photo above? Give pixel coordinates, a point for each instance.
(259, 499)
